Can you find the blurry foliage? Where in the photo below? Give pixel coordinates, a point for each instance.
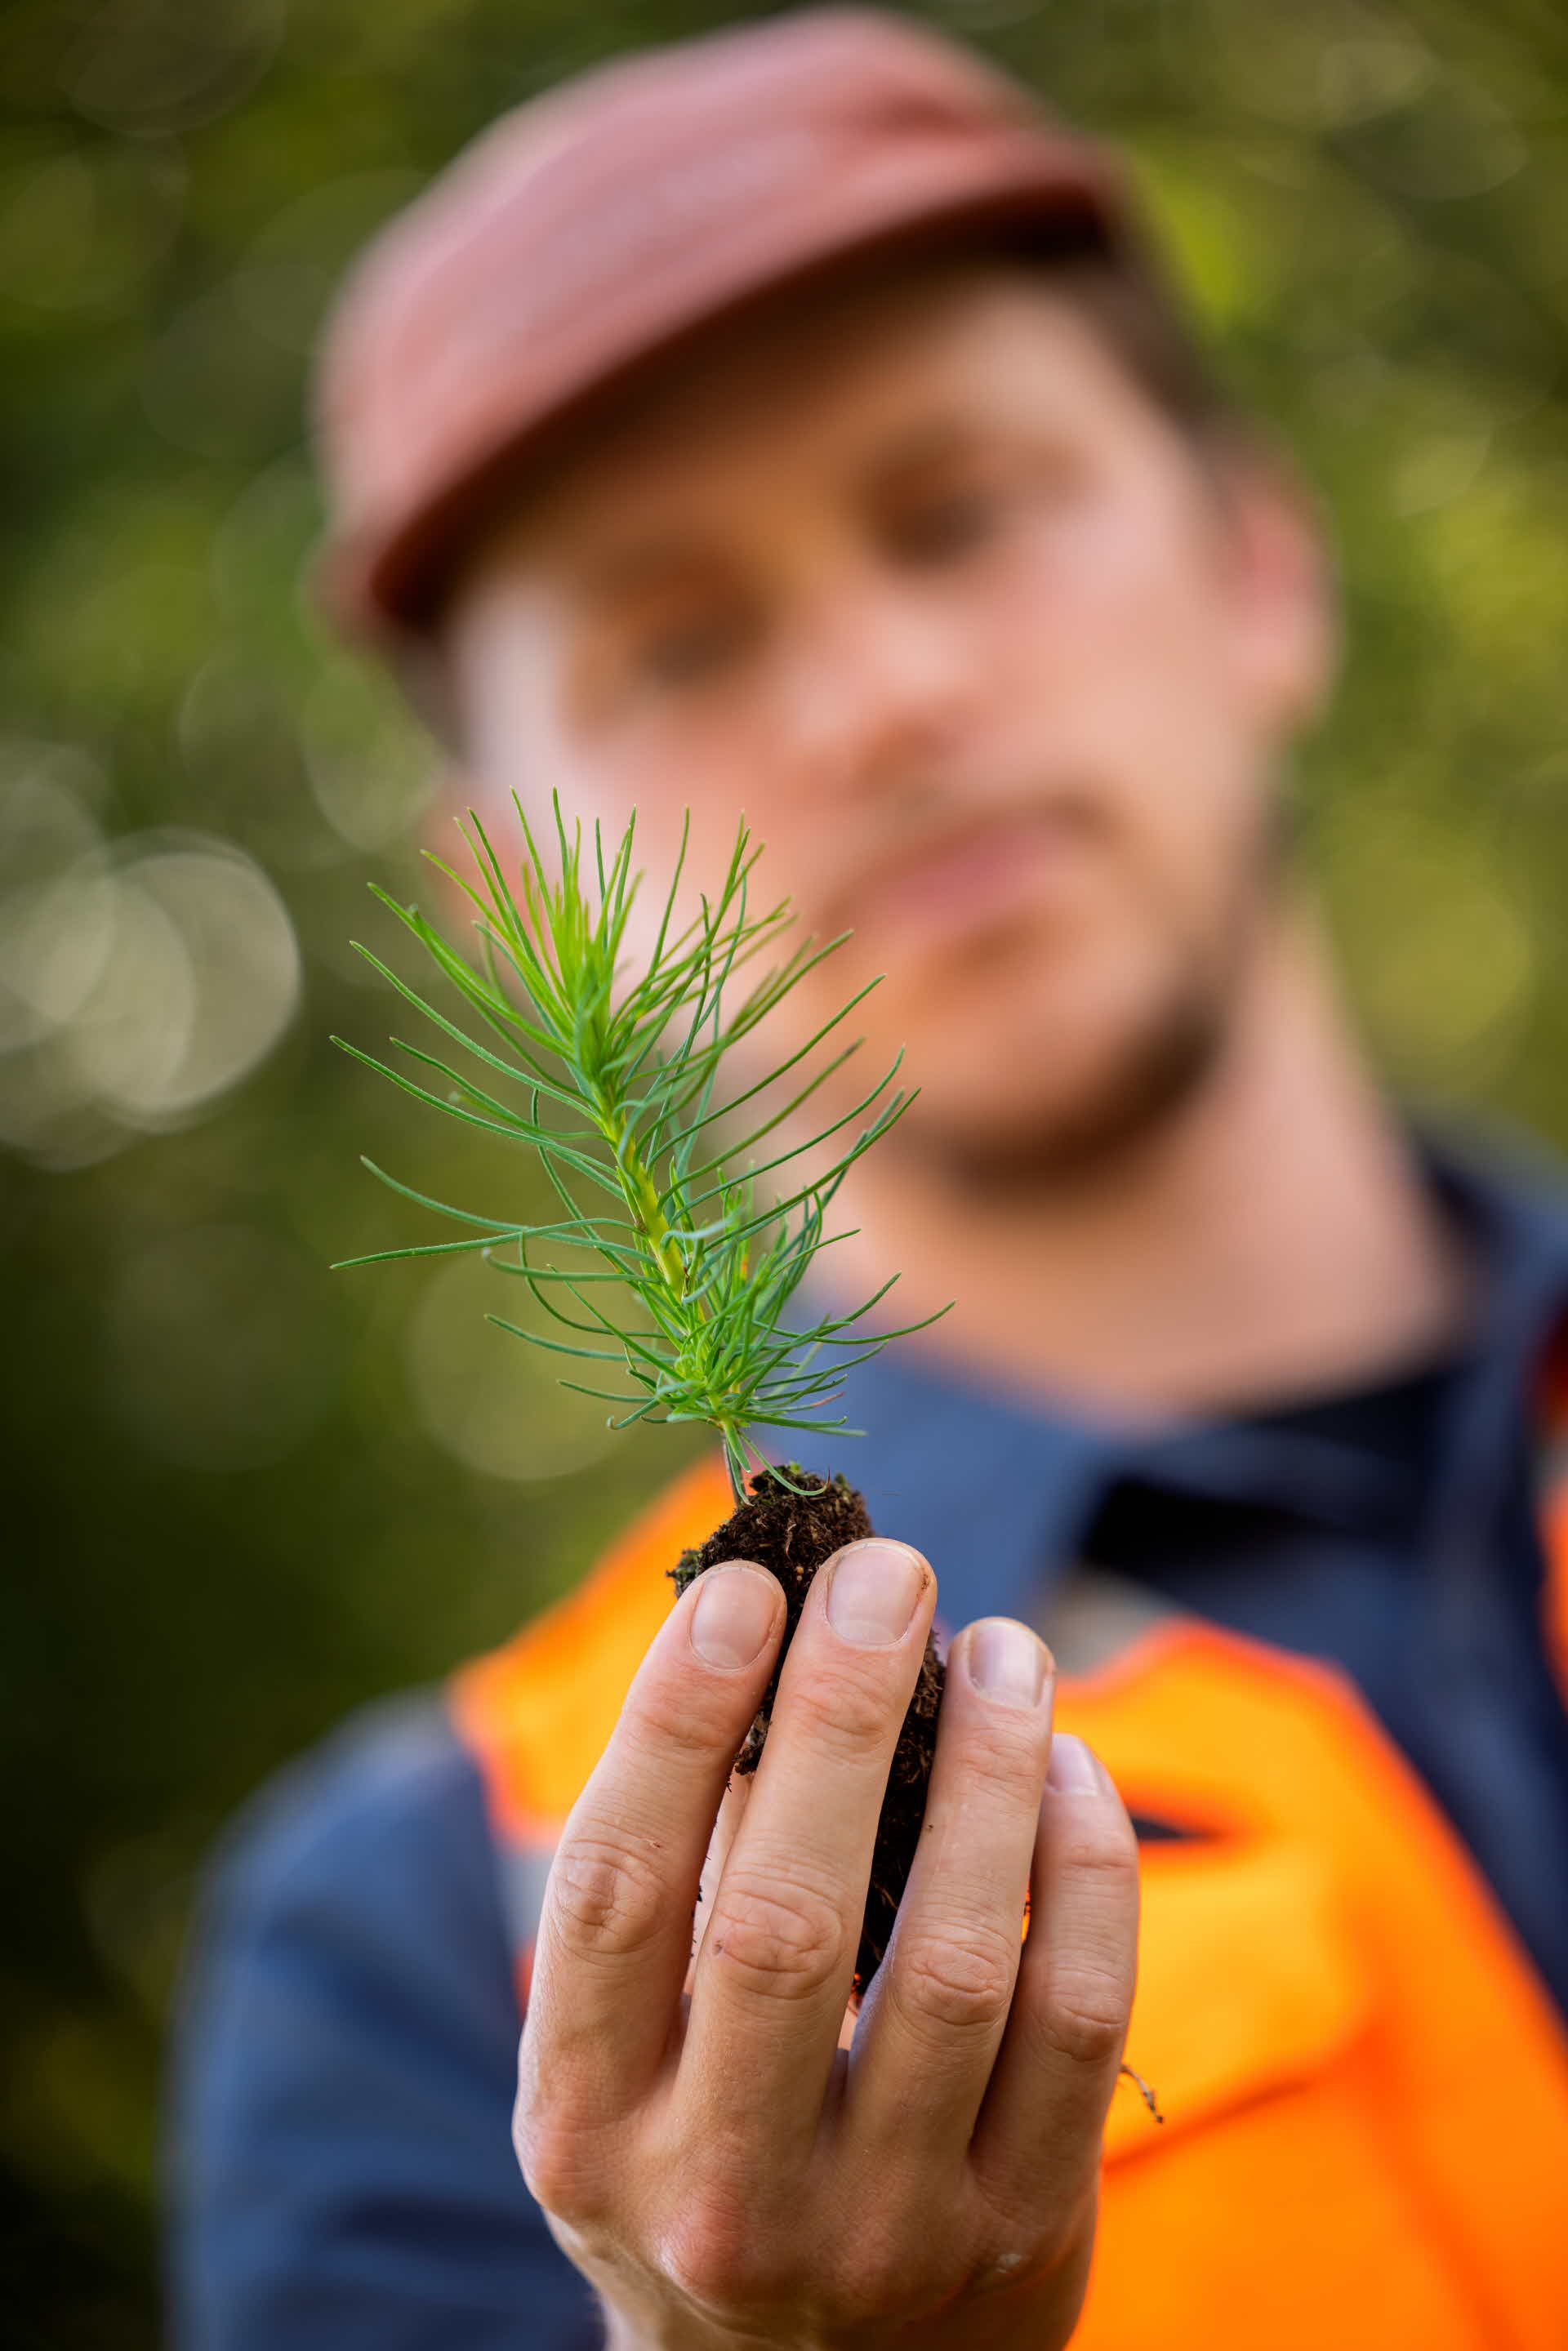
(241, 1494)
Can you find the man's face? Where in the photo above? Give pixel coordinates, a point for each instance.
(910, 572)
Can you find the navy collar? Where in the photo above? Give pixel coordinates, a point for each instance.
(998, 1490)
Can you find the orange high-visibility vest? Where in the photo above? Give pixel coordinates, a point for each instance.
(1365, 2081)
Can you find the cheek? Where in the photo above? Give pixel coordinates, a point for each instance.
(684, 849)
(609, 777)
(1114, 603)
(1122, 649)
(697, 802)
(534, 736)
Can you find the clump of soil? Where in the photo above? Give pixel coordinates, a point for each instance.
(794, 1535)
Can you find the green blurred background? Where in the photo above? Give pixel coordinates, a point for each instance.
(241, 1493)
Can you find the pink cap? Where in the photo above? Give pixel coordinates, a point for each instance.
(595, 227)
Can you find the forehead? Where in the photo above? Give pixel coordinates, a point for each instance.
(871, 364)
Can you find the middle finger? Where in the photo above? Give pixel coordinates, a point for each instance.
(777, 1962)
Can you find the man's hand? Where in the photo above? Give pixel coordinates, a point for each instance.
(707, 2152)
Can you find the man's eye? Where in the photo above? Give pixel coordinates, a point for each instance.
(947, 526)
(687, 652)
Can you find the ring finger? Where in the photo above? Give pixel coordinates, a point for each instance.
(937, 2013)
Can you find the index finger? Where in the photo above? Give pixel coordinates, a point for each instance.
(616, 1928)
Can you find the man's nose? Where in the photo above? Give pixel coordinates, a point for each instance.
(880, 691)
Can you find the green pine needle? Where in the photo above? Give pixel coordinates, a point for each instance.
(614, 1080)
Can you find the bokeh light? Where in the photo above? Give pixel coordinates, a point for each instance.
(137, 981)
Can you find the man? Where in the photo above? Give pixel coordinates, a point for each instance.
(797, 421)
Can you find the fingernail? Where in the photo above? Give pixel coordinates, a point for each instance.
(1006, 1662)
(736, 1606)
(875, 1589)
(1075, 1769)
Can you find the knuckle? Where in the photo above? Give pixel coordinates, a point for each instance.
(673, 1720)
(559, 2167)
(606, 1900)
(959, 1981)
(780, 1940)
(904, 2259)
(1026, 2254)
(843, 1713)
(1007, 1760)
(716, 2257)
(896, 2273)
(1086, 2017)
(1109, 1862)
(876, 2287)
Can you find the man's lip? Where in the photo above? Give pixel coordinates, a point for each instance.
(951, 882)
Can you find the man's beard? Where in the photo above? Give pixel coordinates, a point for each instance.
(1154, 1075)
(1157, 1068)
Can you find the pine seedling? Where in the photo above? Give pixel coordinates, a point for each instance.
(694, 1274)
(680, 1268)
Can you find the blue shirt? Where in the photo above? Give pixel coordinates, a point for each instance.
(344, 2174)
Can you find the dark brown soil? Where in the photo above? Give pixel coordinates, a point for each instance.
(794, 1535)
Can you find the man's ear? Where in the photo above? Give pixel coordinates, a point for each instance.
(1285, 585)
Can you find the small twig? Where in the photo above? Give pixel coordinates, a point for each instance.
(1145, 2091)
